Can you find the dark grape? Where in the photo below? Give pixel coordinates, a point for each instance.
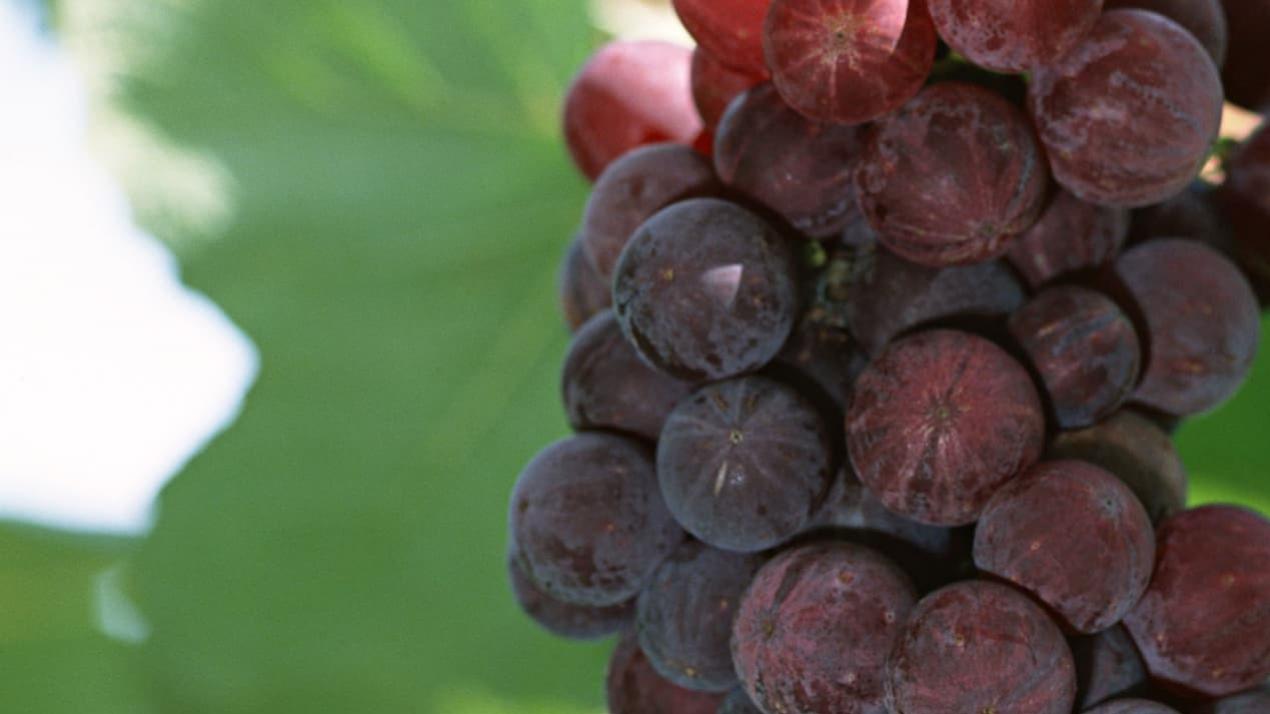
(583, 292)
(939, 422)
(1136, 451)
(706, 290)
(634, 188)
(933, 556)
(629, 94)
(894, 296)
(980, 647)
(1246, 197)
(738, 702)
(744, 464)
(952, 177)
(1083, 348)
(1254, 702)
(605, 385)
(848, 61)
(730, 30)
(827, 356)
(814, 629)
(801, 169)
(1013, 36)
(715, 85)
(588, 521)
(1245, 76)
(1071, 236)
(1107, 665)
(634, 687)
(1205, 19)
(685, 615)
(1193, 214)
(1075, 537)
(578, 622)
(1201, 325)
(1132, 706)
(1129, 116)
(1204, 624)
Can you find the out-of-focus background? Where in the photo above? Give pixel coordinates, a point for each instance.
(328, 231)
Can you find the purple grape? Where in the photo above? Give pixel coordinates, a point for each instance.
(685, 615)
(738, 702)
(605, 385)
(1245, 77)
(583, 293)
(632, 190)
(744, 464)
(1193, 214)
(634, 687)
(562, 619)
(801, 169)
(1246, 198)
(1205, 19)
(828, 357)
(588, 521)
(1107, 665)
(715, 85)
(980, 647)
(1071, 236)
(815, 627)
(1131, 706)
(706, 290)
(952, 177)
(1013, 36)
(1255, 702)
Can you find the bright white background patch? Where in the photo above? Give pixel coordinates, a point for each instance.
(112, 374)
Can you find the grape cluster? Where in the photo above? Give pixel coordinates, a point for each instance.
(884, 313)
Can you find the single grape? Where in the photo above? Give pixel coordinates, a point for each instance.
(894, 296)
(1204, 624)
(1013, 36)
(634, 188)
(1194, 214)
(1246, 197)
(715, 85)
(738, 702)
(629, 94)
(941, 421)
(1245, 76)
(1136, 451)
(815, 627)
(1075, 537)
(1128, 116)
(1255, 702)
(1205, 19)
(583, 293)
(634, 687)
(730, 30)
(578, 622)
(685, 615)
(1107, 665)
(952, 177)
(826, 356)
(706, 290)
(1071, 236)
(745, 463)
(799, 168)
(605, 385)
(980, 647)
(588, 520)
(1131, 706)
(1083, 348)
(933, 556)
(848, 61)
(1201, 324)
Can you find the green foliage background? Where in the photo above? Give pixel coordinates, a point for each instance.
(402, 203)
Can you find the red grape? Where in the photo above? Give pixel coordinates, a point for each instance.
(1203, 18)
(848, 61)
(629, 94)
(952, 177)
(1013, 35)
(1071, 236)
(1107, 665)
(715, 85)
(801, 169)
(634, 687)
(730, 30)
(1128, 117)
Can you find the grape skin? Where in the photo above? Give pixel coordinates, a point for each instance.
(562, 619)
(952, 177)
(738, 702)
(730, 30)
(1205, 19)
(848, 61)
(1071, 236)
(1012, 36)
(801, 169)
(634, 687)
(628, 95)
(583, 293)
(1107, 665)
(1254, 702)
(1246, 79)
(1132, 706)
(745, 463)
(1128, 116)
(706, 290)
(715, 85)
(1246, 197)
(588, 520)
